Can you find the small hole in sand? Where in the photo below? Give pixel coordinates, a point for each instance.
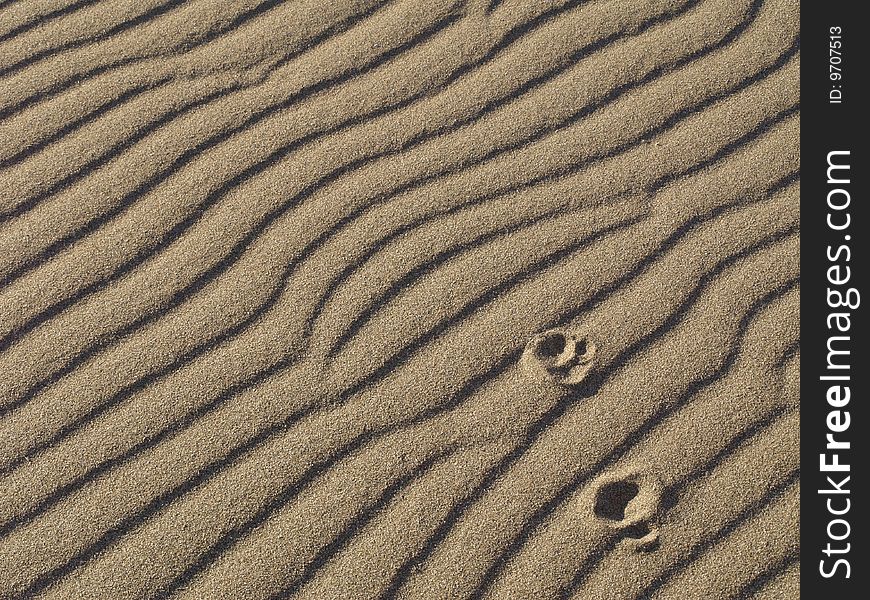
(551, 345)
(613, 499)
(581, 347)
(637, 531)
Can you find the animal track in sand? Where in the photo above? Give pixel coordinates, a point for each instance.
(564, 356)
(628, 502)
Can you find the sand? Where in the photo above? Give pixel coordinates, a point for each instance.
(349, 299)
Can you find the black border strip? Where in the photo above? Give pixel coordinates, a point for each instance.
(834, 258)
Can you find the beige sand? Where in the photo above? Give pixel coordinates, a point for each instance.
(348, 299)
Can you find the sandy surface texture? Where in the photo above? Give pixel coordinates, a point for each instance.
(399, 299)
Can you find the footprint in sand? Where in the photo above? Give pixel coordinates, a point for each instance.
(628, 502)
(563, 356)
